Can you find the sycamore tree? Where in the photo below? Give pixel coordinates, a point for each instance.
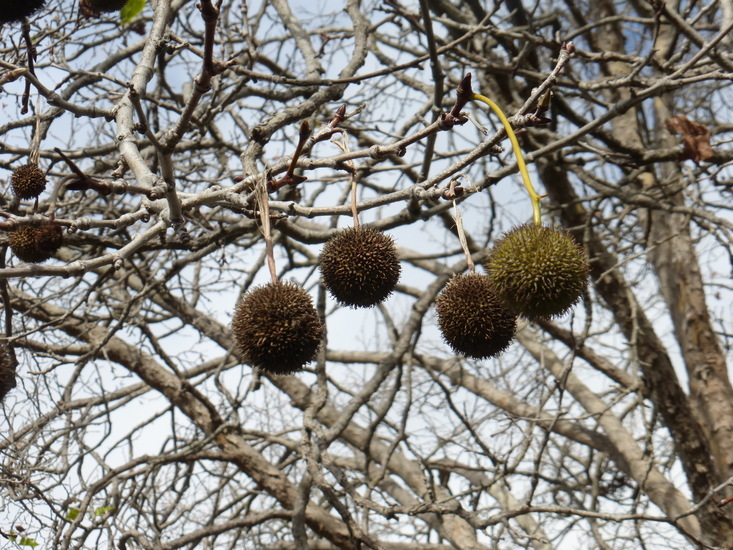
(165, 163)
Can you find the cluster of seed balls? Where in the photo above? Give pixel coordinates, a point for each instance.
(33, 244)
(276, 327)
(534, 271)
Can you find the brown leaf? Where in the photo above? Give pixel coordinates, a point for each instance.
(696, 138)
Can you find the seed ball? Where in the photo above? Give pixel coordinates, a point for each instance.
(11, 11)
(538, 271)
(28, 181)
(35, 245)
(276, 328)
(360, 267)
(7, 372)
(49, 238)
(472, 318)
(92, 8)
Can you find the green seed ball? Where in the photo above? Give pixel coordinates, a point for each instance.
(472, 318)
(28, 181)
(538, 271)
(360, 267)
(35, 245)
(276, 328)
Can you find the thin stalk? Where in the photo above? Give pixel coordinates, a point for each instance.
(354, 211)
(264, 208)
(462, 238)
(534, 197)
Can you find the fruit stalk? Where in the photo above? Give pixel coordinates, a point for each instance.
(534, 197)
(354, 209)
(462, 238)
(264, 209)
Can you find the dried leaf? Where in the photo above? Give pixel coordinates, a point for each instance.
(696, 138)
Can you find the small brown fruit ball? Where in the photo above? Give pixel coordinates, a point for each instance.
(35, 245)
(538, 271)
(276, 328)
(92, 8)
(50, 238)
(360, 267)
(28, 181)
(472, 318)
(11, 11)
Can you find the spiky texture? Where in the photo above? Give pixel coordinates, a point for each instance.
(16, 10)
(28, 181)
(36, 244)
(7, 372)
(360, 267)
(95, 7)
(472, 318)
(276, 328)
(540, 272)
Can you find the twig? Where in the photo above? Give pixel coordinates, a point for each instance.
(332, 127)
(439, 91)
(202, 84)
(31, 49)
(83, 181)
(144, 126)
(290, 177)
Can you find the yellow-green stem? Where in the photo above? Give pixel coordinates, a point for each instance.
(537, 215)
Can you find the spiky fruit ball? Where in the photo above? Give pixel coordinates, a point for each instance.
(276, 328)
(7, 371)
(360, 267)
(14, 10)
(36, 244)
(92, 8)
(540, 272)
(28, 181)
(472, 318)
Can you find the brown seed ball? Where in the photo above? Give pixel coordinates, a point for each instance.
(50, 238)
(360, 267)
(11, 11)
(276, 328)
(7, 372)
(538, 271)
(28, 181)
(36, 244)
(472, 318)
(92, 8)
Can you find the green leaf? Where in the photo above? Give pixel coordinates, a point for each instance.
(131, 9)
(27, 541)
(72, 514)
(103, 510)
